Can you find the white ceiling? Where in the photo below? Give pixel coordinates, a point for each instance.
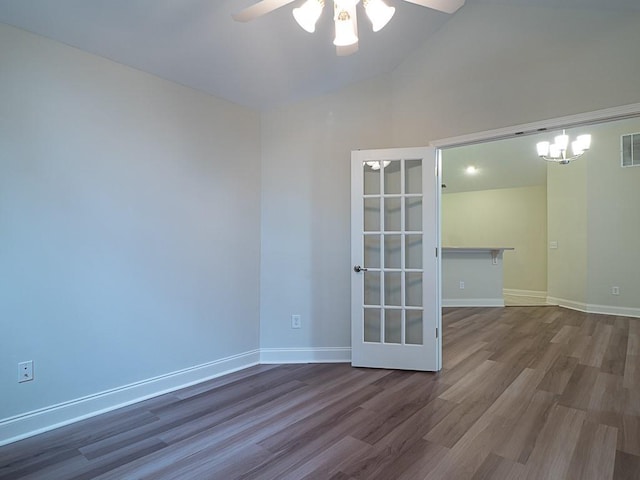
(508, 163)
(260, 64)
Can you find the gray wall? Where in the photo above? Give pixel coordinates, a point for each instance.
(498, 66)
(305, 265)
(613, 221)
(129, 224)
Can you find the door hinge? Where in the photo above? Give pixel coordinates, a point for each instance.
(436, 252)
(436, 332)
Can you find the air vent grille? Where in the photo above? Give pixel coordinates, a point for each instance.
(631, 150)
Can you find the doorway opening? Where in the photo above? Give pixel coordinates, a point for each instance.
(573, 227)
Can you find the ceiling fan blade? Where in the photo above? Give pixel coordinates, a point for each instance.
(446, 6)
(258, 9)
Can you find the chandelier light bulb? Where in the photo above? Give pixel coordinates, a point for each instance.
(379, 13)
(555, 151)
(576, 147)
(585, 140)
(308, 14)
(562, 141)
(543, 148)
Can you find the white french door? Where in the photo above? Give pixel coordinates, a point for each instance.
(395, 298)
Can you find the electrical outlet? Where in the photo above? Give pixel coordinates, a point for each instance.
(295, 321)
(461, 285)
(615, 290)
(25, 371)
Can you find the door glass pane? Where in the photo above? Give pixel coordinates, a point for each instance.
(392, 288)
(413, 284)
(372, 288)
(413, 327)
(413, 176)
(414, 214)
(392, 178)
(372, 251)
(392, 326)
(413, 251)
(392, 214)
(371, 214)
(392, 251)
(371, 180)
(372, 324)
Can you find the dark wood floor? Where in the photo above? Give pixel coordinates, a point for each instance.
(525, 393)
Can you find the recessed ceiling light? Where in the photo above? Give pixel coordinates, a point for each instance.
(471, 170)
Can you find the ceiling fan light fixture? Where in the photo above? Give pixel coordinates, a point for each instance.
(308, 14)
(379, 13)
(345, 29)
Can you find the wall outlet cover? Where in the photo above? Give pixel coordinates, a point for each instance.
(25, 371)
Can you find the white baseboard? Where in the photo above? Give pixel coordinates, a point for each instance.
(525, 293)
(592, 308)
(32, 423)
(515, 297)
(306, 355)
(473, 302)
(613, 310)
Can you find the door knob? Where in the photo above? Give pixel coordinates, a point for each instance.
(359, 269)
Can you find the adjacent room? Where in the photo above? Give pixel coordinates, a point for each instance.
(176, 297)
(569, 225)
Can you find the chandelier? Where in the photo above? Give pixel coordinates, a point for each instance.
(558, 150)
(344, 16)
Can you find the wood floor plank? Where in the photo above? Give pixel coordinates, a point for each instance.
(594, 355)
(558, 375)
(329, 462)
(627, 467)
(553, 452)
(519, 437)
(577, 393)
(537, 392)
(498, 468)
(616, 353)
(595, 453)
(565, 334)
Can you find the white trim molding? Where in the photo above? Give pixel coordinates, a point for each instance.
(524, 297)
(525, 293)
(32, 423)
(473, 302)
(613, 310)
(598, 116)
(305, 355)
(592, 308)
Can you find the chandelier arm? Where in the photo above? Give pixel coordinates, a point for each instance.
(563, 159)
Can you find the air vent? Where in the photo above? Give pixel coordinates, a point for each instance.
(631, 150)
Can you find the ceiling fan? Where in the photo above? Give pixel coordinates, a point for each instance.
(344, 16)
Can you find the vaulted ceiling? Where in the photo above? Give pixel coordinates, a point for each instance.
(260, 64)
